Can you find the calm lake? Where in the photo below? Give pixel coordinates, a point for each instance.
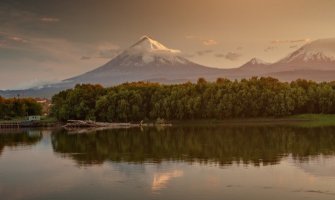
(183, 162)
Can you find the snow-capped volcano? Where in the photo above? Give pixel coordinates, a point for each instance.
(146, 51)
(146, 60)
(317, 55)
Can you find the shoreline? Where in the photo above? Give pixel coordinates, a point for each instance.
(304, 120)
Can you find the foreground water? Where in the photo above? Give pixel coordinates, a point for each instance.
(186, 162)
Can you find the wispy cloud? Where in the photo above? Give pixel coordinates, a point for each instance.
(232, 56)
(186, 55)
(203, 40)
(270, 48)
(56, 48)
(34, 83)
(209, 42)
(14, 16)
(103, 51)
(291, 41)
(293, 46)
(198, 53)
(17, 39)
(204, 52)
(108, 50)
(239, 48)
(49, 19)
(220, 55)
(190, 37)
(85, 58)
(12, 41)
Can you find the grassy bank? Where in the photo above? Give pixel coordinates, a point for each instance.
(300, 120)
(315, 119)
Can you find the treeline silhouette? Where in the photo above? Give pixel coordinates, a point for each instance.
(255, 97)
(18, 107)
(223, 145)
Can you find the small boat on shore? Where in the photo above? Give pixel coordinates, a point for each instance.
(73, 124)
(85, 126)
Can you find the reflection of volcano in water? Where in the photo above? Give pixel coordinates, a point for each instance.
(255, 145)
(160, 180)
(318, 166)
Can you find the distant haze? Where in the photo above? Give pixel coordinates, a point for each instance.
(47, 41)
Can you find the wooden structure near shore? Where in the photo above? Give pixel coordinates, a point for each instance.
(25, 124)
(75, 124)
(81, 124)
(9, 125)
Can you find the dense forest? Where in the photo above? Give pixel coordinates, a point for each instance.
(18, 107)
(246, 98)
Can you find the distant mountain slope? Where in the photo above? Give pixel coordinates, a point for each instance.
(43, 92)
(308, 74)
(313, 61)
(316, 55)
(319, 54)
(253, 67)
(254, 62)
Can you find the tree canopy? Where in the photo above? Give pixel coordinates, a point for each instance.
(18, 107)
(246, 98)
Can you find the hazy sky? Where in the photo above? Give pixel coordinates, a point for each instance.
(50, 40)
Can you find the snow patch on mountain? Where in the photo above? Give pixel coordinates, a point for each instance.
(254, 65)
(150, 51)
(146, 44)
(322, 50)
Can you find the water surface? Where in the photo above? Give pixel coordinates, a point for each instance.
(184, 162)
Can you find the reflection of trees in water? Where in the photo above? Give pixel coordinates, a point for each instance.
(223, 145)
(15, 139)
